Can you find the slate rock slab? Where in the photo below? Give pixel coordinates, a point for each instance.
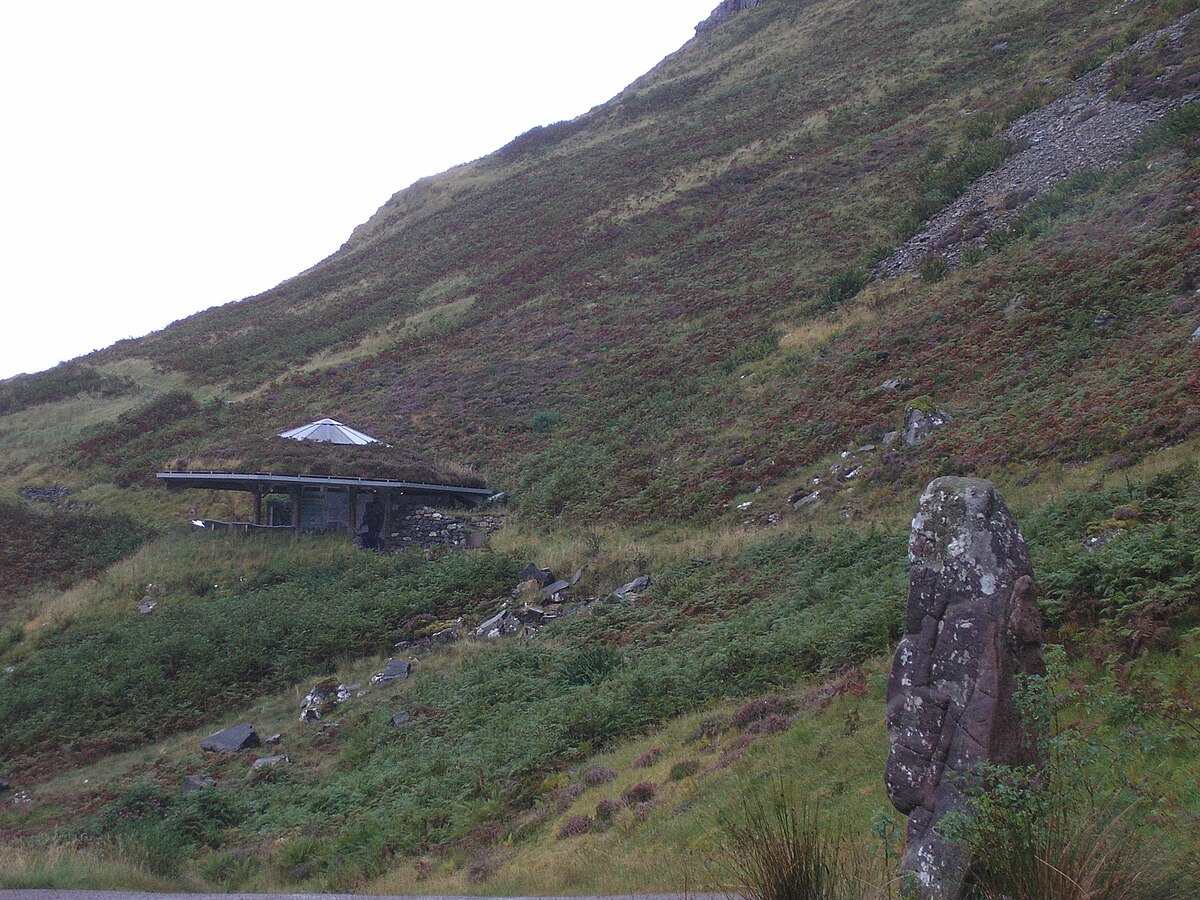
(232, 740)
(395, 670)
(972, 631)
(400, 719)
(269, 762)
(636, 586)
(193, 783)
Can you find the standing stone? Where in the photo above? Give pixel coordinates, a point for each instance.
(972, 630)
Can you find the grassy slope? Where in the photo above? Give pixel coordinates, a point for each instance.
(473, 794)
(654, 274)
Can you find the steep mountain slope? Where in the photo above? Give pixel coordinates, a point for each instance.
(617, 273)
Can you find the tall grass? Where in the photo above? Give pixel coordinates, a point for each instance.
(781, 850)
(73, 866)
(1071, 853)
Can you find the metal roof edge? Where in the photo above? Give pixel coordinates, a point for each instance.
(339, 480)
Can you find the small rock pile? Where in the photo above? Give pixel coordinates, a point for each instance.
(323, 697)
(54, 494)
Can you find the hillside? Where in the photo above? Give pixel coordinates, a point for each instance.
(704, 333)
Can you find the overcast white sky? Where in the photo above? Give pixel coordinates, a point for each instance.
(163, 157)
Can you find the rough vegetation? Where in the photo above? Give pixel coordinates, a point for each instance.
(654, 327)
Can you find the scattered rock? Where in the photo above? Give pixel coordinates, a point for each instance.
(232, 740)
(1000, 47)
(1196, 336)
(146, 606)
(269, 762)
(801, 500)
(742, 507)
(21, 798)
(273, 741)
(531, 572)
(498, 499)
(322, 698)
(896, 384)
(394, 670)
(400, 719)
(972, 630)
(54, 494)
(920, 421)
(4, 786)
(636, 586)
(556, 588)
(1103, 319)
(193, 783)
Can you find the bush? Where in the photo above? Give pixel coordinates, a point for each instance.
(685, 768)
(606, 811)
(647, 759)
(1074, 828)
(844, 285)
(643, 792)
(761, 709)
(933, 268)
(575, 826)
(544, 421)
(598, 775)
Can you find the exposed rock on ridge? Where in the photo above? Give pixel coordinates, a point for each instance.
(724, 12)
(972, 630)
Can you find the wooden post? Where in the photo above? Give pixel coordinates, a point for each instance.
(296, 494)
(257, 506)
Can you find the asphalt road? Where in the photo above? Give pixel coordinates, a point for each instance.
(133, 895)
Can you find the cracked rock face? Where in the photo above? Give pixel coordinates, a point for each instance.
(972, 630)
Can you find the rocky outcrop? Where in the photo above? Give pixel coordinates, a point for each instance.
(725, 11)
(920, 421)
(972, 630)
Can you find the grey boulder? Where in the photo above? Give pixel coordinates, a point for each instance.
(193, 783)
(636, 586)
(232, 740)
(920, 423)
(395, 670)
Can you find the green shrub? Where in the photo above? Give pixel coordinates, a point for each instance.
(544, 421)
(933, 268)
(685, 768)
(843, 286)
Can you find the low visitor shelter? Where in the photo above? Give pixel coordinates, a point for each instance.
(364, 507)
